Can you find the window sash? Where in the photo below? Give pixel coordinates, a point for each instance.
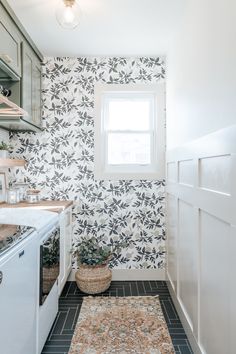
(149, 131)
(157, 131)
(151, 165)
(123, 96)
(106, 131)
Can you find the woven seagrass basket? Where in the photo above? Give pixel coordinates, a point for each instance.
(93, 279)
(49, 277)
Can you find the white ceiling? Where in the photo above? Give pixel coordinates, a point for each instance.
(108, 27)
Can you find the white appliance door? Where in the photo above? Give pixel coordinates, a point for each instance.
(18, 296)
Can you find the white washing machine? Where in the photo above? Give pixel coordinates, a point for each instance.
(28, 308)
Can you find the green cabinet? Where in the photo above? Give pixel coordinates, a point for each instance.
(10, 43)
(20, 71)
(31, 84)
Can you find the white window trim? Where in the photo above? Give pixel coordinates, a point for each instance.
(101, 171)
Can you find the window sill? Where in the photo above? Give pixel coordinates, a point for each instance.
(110, 176)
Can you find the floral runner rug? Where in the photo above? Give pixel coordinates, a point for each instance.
(121, 325)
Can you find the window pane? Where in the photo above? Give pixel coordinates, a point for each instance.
(125, 148)
(128, 114)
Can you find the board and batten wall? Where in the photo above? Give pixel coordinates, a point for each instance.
(201, 228)
(201, 86)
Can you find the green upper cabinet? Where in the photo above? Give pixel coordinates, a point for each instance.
(10, 42)
(20, 71)
(31, 84)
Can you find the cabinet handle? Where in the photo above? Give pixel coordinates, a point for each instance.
(6, 58)
(1, 277)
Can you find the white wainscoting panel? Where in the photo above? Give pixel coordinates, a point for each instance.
(172, 240)
(171, 172)
(187, 275)
(201, 232)
(215, 173)
(214, 284)
(186, 172)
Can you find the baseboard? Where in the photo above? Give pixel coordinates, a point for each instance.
(192, 340)
(132, 274)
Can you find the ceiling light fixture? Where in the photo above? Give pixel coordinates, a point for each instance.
(68, 14)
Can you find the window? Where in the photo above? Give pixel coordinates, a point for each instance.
(129, 131)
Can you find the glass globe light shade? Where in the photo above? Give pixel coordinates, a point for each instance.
(68, 14)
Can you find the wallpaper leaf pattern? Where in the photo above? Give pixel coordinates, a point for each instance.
(61, 159)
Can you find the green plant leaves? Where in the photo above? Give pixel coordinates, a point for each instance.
(91, 252)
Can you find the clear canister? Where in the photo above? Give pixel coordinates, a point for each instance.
(33, 196)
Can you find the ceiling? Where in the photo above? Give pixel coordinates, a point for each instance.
(108, 27)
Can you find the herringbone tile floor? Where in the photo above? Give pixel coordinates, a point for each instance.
(59, 339)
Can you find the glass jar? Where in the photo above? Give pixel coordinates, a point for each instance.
(22, 187)
(12, 196)
(33, 196)
(17, 194)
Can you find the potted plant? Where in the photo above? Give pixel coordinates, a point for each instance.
(93, 275)
(4, 148)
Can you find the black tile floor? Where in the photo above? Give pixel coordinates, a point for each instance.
(59, 339)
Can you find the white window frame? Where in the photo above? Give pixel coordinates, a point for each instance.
(156, 169)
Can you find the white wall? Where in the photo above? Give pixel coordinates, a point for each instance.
(201, 71)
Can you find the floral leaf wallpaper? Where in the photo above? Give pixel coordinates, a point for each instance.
(60, 160)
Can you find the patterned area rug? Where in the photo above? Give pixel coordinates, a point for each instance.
(121, 325)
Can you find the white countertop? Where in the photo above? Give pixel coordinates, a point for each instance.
(28, 217)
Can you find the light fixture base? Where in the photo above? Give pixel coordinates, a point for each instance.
(69, 3)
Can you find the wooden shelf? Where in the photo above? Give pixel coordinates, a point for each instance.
(11, 162)
(50, 205)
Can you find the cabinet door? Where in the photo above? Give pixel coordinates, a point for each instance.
(10, 43)
(31, 85)
(36, 96)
